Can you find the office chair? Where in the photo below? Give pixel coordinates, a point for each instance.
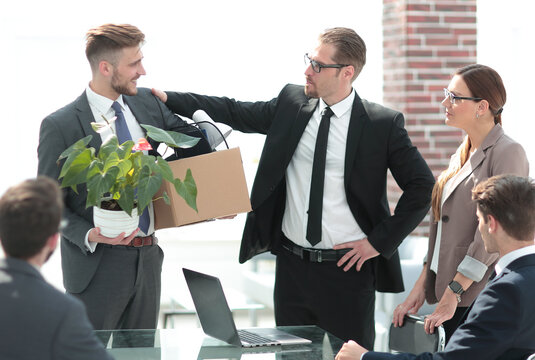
(412, 338)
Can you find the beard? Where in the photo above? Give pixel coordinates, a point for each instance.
(122, 88)
(311, 93)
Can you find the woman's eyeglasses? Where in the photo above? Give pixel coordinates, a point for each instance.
(453, 97)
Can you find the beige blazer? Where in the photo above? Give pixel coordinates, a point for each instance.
(498, 154)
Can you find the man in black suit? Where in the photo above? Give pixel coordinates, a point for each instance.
(501, 322)
(347, 221)
(119, 279)
(36, 320)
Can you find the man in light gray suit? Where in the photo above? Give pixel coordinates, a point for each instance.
(118, 279)
(36, 320)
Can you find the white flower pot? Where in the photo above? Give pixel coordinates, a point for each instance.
(113, 222)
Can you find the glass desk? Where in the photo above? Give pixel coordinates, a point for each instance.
(176, 344)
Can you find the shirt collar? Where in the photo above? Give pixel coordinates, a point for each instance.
(101, 103)
(341, 107)
(512, 256)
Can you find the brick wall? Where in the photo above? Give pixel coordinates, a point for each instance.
(424, 41)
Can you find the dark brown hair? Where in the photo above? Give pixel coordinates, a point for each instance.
(485, 83)
(104, 42)
(29, 214)
(350, 48)
(511, 200)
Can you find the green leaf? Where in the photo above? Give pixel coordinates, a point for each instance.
(111, 160)
(124, 167)
(166, 198)
(164, 168)
(77, 170)
(108, 147)
(78, 146)
(100, 184)
(149, 184)
(126, 199)
(170, 138)
(187, 189)
(125, 149)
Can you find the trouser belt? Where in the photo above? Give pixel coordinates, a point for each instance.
(312, 255)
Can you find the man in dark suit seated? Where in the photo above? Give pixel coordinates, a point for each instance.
(501, 322)
(37, 321)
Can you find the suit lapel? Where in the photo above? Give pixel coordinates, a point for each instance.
(85, 118)
(356, 124)
(298, 127)
(140, 112)
(477, 158)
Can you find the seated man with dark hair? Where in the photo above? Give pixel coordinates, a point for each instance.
(36, 320)
(501, 322)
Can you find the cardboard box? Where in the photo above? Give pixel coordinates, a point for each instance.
(221, 189)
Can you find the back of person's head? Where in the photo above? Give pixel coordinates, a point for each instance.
(485, 83)
(350, 48)
(29, 214)
(510, 199)
(105, 42)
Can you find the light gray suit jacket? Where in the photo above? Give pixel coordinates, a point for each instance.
(39, 322)
(62, 129)
(498, 154)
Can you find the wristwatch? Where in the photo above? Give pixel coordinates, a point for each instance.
(457, 289)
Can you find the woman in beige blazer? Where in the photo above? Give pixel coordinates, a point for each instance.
(457, 266)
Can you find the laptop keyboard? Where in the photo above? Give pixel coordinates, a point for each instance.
(253, 339)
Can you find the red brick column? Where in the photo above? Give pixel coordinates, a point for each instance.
(424, 42)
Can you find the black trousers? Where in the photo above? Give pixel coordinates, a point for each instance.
(322, 294)
(125, 291)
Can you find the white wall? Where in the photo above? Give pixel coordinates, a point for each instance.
(505, 42)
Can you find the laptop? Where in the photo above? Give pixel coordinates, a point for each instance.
(217, 321)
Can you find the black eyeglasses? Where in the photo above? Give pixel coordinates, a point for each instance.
(453, 97)
(316, 66)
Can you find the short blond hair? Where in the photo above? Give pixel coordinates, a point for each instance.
(105, 41)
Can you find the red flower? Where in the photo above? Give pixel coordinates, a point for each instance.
(142, 144)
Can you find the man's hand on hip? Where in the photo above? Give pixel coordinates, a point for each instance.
(361, 250)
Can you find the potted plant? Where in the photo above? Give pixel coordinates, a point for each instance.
(121, 179)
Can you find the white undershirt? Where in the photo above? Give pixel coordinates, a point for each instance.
(448, 189)
(338, 223)
(512, 256)
(101, 105)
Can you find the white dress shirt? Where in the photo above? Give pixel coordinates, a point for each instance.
(338, 223)
(512, 256)
(101, 106)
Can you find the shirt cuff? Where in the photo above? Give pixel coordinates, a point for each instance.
(90, 246)
(472, 268)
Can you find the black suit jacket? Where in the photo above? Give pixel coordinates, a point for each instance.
(39, 322)
(63, 128)
(377, 141)
(500, 325)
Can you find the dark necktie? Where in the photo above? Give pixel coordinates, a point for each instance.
(123, 134)
(315, 205)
